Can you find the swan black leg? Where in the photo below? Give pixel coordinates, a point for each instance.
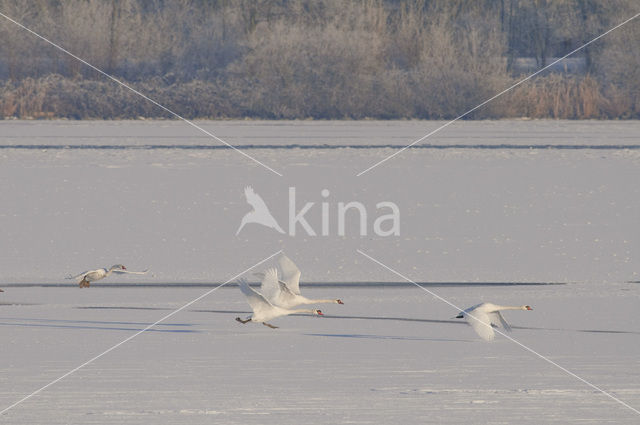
(242, 321)
(269, 325)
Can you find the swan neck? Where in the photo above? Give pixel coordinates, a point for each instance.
(111, 269)
(510, 307)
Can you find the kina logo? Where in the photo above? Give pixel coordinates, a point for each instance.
(260, 213)
(336, 218)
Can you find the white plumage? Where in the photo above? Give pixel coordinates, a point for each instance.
(483, 317)
(263, 310)
(285, 292)
(85, 278)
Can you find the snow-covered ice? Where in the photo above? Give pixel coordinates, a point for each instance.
(466, 214)
(478, 206)
(393, 355)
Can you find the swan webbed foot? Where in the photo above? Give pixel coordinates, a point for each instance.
(242, 321)
(269, 325)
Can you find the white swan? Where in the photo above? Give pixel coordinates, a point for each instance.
(483, 316)
(286, 292)
(260, 213)
(85, 278)
(263, 310)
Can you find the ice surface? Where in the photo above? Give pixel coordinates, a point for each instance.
(393, 355)
(466, 214)
(149, 196)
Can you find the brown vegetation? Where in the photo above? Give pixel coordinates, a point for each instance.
(326, 59)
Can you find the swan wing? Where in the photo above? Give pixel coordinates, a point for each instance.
(286, 298)
(258, 303)
(472, 308)
(78, 276)
(290, 274)
(254, 199)
(91, 274)
(284, 289)
(269, 286)
(463, 313)
(131, 272)
(498, 320)
(481, 323)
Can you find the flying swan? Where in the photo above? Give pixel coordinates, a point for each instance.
(263, 310)
(483, 317)
(85, 278)
(286, 292)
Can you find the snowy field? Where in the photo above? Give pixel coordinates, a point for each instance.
(467, 214)
(370, 365)
(551, 206)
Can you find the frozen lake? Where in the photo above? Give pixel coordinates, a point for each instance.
(392, 355)
(471, 213)
(486, 203)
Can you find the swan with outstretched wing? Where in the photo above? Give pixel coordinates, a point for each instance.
(285, 292)
(263, 310)
(483, 317)
(84, 279)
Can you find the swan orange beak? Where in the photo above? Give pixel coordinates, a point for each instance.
(319, 313)
(528, 307)
(339, 301)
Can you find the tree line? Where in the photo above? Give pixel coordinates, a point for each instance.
(324, 59)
